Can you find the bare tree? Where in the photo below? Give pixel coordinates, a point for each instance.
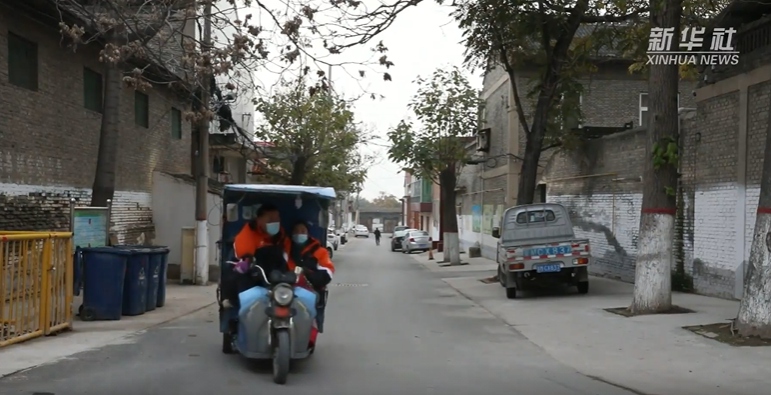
(149, 43)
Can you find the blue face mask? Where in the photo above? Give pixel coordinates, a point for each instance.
(300, 238)
(273, 228)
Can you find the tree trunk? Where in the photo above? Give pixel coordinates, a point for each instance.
(653, 272)
(449, 227)
(195, 140)
(103, 188)
(754, 317)
(298, 171)
(529, 171)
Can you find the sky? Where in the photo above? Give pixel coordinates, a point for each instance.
(421, 40)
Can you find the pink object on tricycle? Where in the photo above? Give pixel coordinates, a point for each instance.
(241, 266)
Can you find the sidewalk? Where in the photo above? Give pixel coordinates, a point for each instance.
(649, 354)
(181, 300)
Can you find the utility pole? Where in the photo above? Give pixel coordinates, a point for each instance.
(202, 178)
(356, 219)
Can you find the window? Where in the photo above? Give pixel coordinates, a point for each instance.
(218, 164)
(570, 107)
(176, 124)
(535, 216)
(540, 193)
(415, 188)
(93, 92)
(644, 108)
(141, 109)
(22, 62)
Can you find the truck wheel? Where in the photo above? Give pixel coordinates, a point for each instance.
(583, 287)
(511, 293)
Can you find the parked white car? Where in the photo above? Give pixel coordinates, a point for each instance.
(333, 239)
(330, 249)
(360, 231)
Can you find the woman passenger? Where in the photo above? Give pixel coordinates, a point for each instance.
(308, 253)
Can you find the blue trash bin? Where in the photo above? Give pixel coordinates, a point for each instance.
(153, 277)
(164, 252)
(135, 283)
(153, 272)
(104, 272)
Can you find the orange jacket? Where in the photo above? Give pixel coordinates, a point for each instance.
(313, 249)
(250, 238)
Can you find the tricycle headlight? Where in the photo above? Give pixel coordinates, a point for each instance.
(283, 295)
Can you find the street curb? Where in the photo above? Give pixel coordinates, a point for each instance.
(108, 342)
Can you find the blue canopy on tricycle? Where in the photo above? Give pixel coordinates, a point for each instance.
(294, 202)
(319, 192)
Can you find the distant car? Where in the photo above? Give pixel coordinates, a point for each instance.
(330, 249)
(398, 236)
(333, 239)
(343, 235)
(360, 231)
(399, 228)
(415, 240)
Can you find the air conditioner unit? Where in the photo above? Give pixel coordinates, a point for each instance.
(483, 140)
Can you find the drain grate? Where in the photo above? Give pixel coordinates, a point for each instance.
(347, 285)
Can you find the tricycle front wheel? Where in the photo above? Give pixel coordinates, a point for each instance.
(281, 357)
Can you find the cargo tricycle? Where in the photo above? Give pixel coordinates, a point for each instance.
(276, 321)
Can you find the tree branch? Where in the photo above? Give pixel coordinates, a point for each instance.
(613, 18)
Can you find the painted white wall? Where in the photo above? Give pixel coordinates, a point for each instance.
(722, 237)
(174, 208)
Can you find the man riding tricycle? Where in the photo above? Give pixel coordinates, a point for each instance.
(274, 272)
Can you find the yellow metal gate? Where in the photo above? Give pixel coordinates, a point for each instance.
(36, 275)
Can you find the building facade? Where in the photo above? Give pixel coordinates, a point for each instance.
(50, 126)
(722, 144)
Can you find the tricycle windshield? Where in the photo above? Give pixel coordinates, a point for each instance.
(294, 203)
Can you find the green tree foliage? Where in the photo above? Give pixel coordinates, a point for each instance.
(542, 38)
(386, 200)
(315, 137)
(446, 110)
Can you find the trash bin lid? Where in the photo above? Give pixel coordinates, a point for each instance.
(108, 250)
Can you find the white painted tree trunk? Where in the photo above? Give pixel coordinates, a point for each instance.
(754, 317)
(653, 280)
(451, 248)
(201, 253)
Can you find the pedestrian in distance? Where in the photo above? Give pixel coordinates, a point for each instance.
(377, 236)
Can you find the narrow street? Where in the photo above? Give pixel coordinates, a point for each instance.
(393, 327)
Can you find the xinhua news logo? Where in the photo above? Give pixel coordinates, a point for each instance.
(721, 52)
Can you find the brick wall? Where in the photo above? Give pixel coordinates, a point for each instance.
(601, 187)
(50, 140)
(717, 209)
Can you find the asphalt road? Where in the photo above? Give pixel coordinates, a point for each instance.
(392, 327)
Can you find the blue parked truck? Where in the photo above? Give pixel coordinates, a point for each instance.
(537, 246)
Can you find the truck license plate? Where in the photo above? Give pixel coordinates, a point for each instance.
(548, 268)
(559, 250)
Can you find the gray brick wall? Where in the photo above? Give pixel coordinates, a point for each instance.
(50, 140)
(600, 186)
(713, 143)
